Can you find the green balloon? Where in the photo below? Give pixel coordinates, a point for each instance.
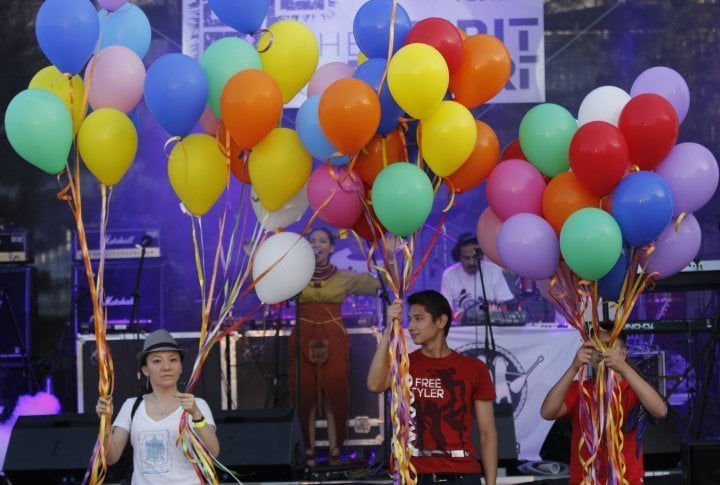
(402, 197)
(222, 60)
(590, 243)
(39, 127)
(545, 134)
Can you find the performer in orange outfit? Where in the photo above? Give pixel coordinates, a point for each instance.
(325, 346)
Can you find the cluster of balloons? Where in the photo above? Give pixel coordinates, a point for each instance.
(417, 89)
(589, 189)
(43, 120)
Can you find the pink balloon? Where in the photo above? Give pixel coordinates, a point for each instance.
(515, 186)
(488, 225)
(209, 122)
(328, 74)
(336, 195)
(111, 5)
(116, 76)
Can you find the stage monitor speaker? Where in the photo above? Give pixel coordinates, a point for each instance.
(50, 449)
(124, 348)
(507, 441)
(556, 446)
(119, 285)
(15, 307)
(261, 444)
(701, 463)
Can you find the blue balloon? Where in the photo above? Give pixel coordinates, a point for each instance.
(609, 286)
(371, 71)
(642, 205)
(372, 28)
(176, 92)
(245, 16)
(128, 26)
(67, 31)
(307, 125)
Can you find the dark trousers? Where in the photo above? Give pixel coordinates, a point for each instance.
(449, 478)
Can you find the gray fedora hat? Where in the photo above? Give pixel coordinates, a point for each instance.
(158, 341)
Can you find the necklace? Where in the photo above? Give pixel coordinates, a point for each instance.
(322, 274)
(163, 409)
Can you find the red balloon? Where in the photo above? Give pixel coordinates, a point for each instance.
(440, 34)
(650, 125)
(513, 152)
(599, 156)
(362, 226)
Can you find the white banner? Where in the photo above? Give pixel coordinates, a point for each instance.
(518, 23)
(528, 362)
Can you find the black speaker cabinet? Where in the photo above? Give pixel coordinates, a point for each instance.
(50, 449)
(261, 444)
(259, 380)
(507, 441)
(15, 380)
(701, 463)
(662, 445)
(124, 348)
(15, 307)
(119, 283)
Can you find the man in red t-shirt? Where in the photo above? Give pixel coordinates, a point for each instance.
(637, 397)
(447, 388)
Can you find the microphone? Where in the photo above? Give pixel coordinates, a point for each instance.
(478, 253)
(146, 240)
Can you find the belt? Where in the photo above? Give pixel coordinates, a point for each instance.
(443, 477)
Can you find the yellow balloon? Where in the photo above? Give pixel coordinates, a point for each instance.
(51, 79)
(107, 141)
(418, 78)
(198, 172)
(361, 58)
(447, 137)
(279, 167)
(289, 53)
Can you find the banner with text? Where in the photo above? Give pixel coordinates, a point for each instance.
(518, 23)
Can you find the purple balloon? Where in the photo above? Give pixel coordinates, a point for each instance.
(111, 5)
(691, 171)
(667, 83)
(675, 249)
(528, 246)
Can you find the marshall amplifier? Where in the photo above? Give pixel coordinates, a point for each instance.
(124, 348)
(14, 246)
(119, 244)
(119, 283)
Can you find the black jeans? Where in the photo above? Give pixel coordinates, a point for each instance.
(450, 478)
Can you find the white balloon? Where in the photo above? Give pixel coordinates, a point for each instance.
(603, 104)
(291, 212)
(295, 266)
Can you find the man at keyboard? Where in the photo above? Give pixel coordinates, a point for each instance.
(462, 285)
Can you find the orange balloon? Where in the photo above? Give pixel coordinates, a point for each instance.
(237, 164)
(349, 114)
(251, 105)
(380, 152)
(482, 160)
(483, 72)
(564, 196)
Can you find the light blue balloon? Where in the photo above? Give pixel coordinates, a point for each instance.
(307, 125)
(128, 26)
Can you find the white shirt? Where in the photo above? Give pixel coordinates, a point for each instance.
(464, 290)
(157, 458)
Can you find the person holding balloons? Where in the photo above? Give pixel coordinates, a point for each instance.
(324, 346)
(638, 399)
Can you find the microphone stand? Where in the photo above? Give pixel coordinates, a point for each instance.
(145, 241)
(490, 347)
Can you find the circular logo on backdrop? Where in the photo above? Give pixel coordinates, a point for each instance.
(510, 377)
